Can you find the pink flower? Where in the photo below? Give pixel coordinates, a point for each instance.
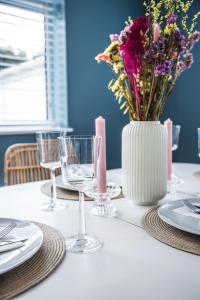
(102, 57)
(156, 31)
(174, 55)
(114, 37)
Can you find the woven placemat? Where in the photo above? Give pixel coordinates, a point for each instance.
(35, 269)
(66, 194)
(169, 235)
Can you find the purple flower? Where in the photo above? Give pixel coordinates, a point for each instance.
(147, 53)
(180, 66)
(157, 49)
(193, 38)
(180, 38)
(172, 19)
(159, 45)
(114, 37)
(156, 52)
(163, 69)
(188, 60)
(186, 64)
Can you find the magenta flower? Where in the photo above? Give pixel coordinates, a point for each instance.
(132, 50)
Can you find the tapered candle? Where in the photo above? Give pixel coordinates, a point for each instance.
(168, 124)
(100, 126)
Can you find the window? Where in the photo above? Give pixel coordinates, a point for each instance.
(32, 63)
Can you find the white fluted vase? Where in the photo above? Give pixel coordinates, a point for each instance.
(144, 161)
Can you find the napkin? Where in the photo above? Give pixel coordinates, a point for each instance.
(9, 247)
(184, 210)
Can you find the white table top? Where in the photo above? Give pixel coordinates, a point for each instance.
(131, 265)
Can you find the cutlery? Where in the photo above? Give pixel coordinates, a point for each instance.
(197, 205)
(7, 229)
(10, 247)
(193, 207)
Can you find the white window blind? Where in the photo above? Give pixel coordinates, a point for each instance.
(33, 62)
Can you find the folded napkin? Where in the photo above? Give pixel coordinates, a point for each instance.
(186, 211)
(9, 247)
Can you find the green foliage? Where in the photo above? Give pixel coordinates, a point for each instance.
(162, 9)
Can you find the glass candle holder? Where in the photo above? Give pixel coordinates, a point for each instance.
(103, 206)
(175, 181)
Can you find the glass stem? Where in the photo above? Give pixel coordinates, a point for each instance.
(82, 227)
(53, 189)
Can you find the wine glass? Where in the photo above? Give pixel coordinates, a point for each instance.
(49, 157)
(175, 136)
(77, 158)
(198, 131)
(175, 143)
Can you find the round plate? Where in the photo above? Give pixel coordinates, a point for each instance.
(176, 214)
(23, 230)
(62, 185)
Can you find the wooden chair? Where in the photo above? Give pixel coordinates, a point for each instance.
(21, 165)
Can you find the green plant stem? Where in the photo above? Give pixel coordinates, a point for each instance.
(159, 100)
(152, 95)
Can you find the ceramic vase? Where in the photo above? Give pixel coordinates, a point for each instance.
(144, 161)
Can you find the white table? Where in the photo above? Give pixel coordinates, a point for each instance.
(131, 265)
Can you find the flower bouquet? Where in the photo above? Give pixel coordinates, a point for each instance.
(149, 55)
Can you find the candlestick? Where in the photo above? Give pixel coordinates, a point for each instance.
(101, 176)
(168, 124)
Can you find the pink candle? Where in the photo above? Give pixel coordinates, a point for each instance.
(168, 124)
(101, 131)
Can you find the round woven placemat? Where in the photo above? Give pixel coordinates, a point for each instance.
(35, 269)
(66, 194)
(169, 235)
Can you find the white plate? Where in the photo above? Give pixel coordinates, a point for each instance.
(23, 230)
(175, 213)
(62, 185)
(112, 176)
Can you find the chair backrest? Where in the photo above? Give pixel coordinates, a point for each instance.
(21, 165)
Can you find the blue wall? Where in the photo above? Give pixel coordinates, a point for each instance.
(89, 24)
(183, 108)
